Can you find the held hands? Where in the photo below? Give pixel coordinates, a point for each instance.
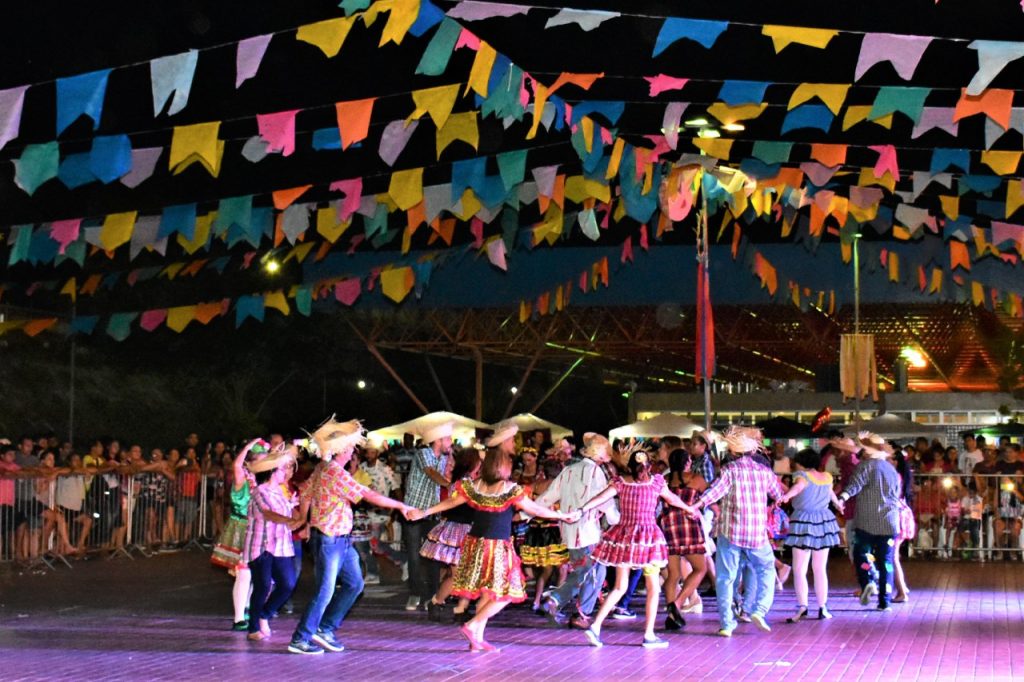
(841, 506)
(412, 514)
(573, 516)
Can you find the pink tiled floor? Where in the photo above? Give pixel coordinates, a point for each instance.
(166, 618)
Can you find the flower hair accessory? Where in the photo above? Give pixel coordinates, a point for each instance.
(641, 457)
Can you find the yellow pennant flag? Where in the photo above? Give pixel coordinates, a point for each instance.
(867, 178)
(459, 127)
(784, 36)
(400, 20)
(396, 283)
(277, 301)
(1014, 196)
(587, 129)
(549, 229)
(117, 229)
(70, 288)
(579, 188)
(406, 188)
(858, 114)
(438, 102)
(179, 317)
(1002, 162)
(977, 293)
(936, 283)
(469, 206)
(193, 143)
(540, 98)
(299, 253)
(480, 74)
(734, 114)
(832, 94)
(718, 147)
(204, 224)
(328, 35)
(950, 206)
(894, 267)
(328, 224)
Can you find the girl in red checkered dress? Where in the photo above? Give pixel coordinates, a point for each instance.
(636, 541)
(684, 537)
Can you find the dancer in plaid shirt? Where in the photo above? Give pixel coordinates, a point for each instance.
(743, 487)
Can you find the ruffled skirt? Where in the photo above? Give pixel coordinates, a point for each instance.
(813, 530)
(227, 553)
(543, 547)
(444, 542)
(634, 546)
(489, 567)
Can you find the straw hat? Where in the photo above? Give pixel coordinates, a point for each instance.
(271, 462)
(595, 444)
(743, 439)
(874, 444)
(332, 437)
(562, 445)
(503, 433)
(375, 443)
(437, 432)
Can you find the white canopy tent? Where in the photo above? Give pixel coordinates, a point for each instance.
(530, 422)
(663, 424)
(465, 428)
(894, 427)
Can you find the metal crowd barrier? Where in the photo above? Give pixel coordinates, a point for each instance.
(51, 520)
(954, 521)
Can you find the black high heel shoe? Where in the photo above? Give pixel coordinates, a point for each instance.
(672, 624)
(801, 613)
(673, 612)
(824, 613)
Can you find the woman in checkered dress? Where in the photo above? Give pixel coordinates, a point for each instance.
(684, 537)
(636, 541)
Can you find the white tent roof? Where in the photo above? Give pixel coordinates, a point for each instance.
(464, 430)
(892, 426)
(531, 422)
(663, 424)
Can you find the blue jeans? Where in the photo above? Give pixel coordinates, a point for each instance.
(727, 565)
(264, 604)
(334, 561)
(584, 580)
(634, 580)
(873, 558)
(749, 587)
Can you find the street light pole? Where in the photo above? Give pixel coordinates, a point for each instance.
(856, 326)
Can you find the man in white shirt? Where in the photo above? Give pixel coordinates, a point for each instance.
(577, 483)
(969, 456)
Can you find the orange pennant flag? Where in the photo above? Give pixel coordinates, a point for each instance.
(996, 104)
(830, 155)
(582, 80)
(283, 198)
(354, 120)
(36, 327)
(959, 256)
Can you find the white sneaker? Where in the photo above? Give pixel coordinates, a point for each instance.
(371, 580)
(412, 603)
(696, 607)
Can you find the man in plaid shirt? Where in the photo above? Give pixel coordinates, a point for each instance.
(743, 487)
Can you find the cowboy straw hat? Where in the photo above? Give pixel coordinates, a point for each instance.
(742, 439)
(503, 433)
(874, 444)
(562, 445)
(437, 432)
(594, 443)
(271, 462)
(332, 436)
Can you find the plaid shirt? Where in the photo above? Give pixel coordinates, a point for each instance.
(331, 491)
(262, 535)
(420, 491)
(744, 488)
(705, 466)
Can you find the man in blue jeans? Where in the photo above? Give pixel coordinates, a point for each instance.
(743, 487)
(328, 497)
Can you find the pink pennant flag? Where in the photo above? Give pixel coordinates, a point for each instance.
(935, 117)
(353, 191)
(65, 231)
(247, 259)
(496, 253)
(347, 291)
(467, 39)
(886, 160)
(671, 121)
(476, 227)
(250, 54)
(278, 130)
(902, 51)
(662, 83)
(584, 281)
(11, 103)
(627, 250)
(151, 319)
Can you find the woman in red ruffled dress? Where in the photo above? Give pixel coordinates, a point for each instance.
(489, 569)
(636, 541)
